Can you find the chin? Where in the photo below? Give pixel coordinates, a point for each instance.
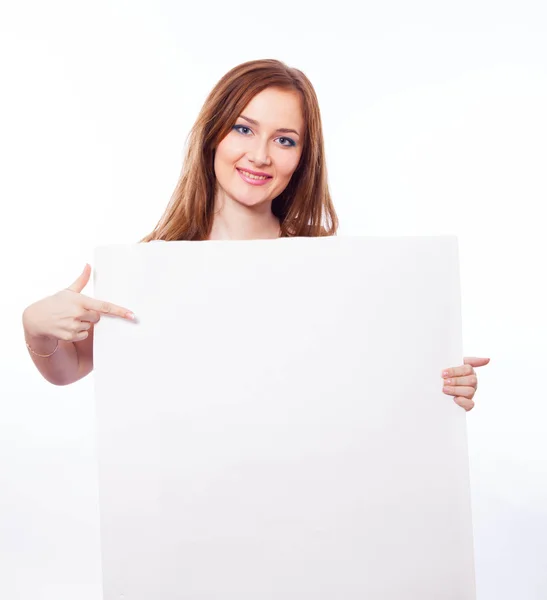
(244, 194)
(250, 202)
(251, 197)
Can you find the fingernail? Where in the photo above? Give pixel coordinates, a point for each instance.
(445, 373)
(130, 315)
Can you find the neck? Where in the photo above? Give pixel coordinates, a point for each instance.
(234, 221)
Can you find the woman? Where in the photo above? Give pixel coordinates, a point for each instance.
(254, 169)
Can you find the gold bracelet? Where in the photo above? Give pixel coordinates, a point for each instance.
(42, 355)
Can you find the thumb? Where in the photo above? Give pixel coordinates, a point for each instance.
(82, 280)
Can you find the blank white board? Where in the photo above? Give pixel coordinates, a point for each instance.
(273, 427)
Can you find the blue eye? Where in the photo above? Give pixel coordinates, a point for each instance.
(240, 128)
(291, 141)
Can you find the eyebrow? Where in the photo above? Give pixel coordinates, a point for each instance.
(281, 130)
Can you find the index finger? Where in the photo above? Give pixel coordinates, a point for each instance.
(107, 308)
(475, 361)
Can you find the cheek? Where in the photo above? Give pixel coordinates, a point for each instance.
(225, 157)
(230, 149)
(220, 154)
(287, 163)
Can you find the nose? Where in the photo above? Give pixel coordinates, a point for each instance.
(259, 155)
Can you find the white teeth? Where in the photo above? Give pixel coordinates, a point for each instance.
(250, 176)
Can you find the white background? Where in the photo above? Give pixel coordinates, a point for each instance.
(435, 122)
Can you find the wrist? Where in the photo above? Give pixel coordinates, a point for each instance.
(41, 345)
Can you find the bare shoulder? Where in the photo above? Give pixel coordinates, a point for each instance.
(84, 350)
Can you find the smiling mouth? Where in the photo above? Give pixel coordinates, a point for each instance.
(255, 177)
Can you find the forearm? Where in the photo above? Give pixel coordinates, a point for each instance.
(61, 368)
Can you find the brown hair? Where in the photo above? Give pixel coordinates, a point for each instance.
(304, 208)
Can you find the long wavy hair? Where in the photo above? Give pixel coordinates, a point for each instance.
(304, 208)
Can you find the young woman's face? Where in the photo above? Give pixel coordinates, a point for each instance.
(267, 139)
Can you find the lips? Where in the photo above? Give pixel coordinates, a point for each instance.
(257, 173)
(255, 181)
